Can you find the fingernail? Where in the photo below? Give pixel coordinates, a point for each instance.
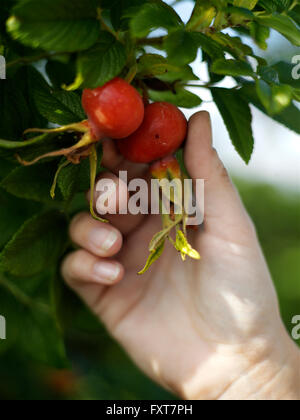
(103, 239)
(106, 272)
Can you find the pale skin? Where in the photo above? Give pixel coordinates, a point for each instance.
(203, 330)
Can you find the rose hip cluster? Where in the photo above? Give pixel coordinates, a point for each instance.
(148, 133)
(144, 133)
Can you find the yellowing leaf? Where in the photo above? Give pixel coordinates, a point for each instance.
(185, 248)
(247, 4)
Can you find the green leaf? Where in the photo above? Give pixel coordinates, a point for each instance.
(13, 213)
(182, 73)
(239, 16)
(285, 74)
(37, 337)
(282, 24)
(154, 65)
(76, 178)
(153, 16)
(102, 62)
(290, 117)
(58, 106)
(14, 115)
(296, 94)
(268, 74)
(274, 5)
(232, 68)
(68, 181)
(232, 45)
(41, 340)
(180, 97)
(6, 167)
(58, 25)
(247, 4)
(31, 183)
(202, 16)
(295, 14)
(151, 65)
(275, 98)
(212, 48)
(36, 246)
(237, 117)
(260, 34)
(154, 256)
(181, 47)
(61, 74)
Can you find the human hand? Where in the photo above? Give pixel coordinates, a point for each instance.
(204, 330)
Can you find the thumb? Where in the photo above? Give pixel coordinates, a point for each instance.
(225, 213)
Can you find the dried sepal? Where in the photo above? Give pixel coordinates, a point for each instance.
(61, 166)
(93, 174)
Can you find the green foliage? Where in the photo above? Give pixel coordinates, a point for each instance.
(31, 183)
(56, 105)
(151, 16)
(181, 47)
(232, 68)
(104, 61)
(237, 117)
(36, 246)
(282, 24)
(54, 49)
(58, 25)
(180, 97)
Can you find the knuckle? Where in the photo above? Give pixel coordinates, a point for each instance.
(218, 168)
(71, 265)
(77, 220)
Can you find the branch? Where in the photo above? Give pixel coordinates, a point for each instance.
(157, 41)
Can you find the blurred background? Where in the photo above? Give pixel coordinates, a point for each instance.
(270, 188)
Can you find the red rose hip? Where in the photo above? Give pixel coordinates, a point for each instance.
(114, 110)
(162, 132)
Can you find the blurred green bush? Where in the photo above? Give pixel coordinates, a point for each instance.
(100, 369)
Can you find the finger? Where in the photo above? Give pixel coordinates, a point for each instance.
(111, 198)
(111, 194)
(224, 210)
(115, 162)
(89, 276)
(100, 239)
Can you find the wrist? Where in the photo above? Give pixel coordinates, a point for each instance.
(275, 377)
